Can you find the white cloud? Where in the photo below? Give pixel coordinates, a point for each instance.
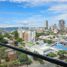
(39, 20)
(36, 2)
(61, 16)
(36, 20)
(58, 17)
(55, 8)
(58, 7)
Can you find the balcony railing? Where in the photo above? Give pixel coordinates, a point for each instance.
(46, 58)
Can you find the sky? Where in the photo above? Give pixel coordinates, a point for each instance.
(32, 13)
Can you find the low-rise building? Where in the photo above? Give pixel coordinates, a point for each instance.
(11, 54)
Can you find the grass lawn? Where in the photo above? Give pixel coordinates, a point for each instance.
(30, 44)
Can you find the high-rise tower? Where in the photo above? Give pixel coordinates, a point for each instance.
(46, 24)
(61, 25)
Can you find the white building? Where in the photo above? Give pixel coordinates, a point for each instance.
(43, 49)
(39, 48)
(32, 36)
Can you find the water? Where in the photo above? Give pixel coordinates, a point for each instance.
(60, 46)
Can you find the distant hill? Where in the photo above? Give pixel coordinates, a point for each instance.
(8, 29)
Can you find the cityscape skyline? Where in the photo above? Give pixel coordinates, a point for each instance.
(31, 12)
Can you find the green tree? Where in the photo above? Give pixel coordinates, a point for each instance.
(39, 34)
(61, 52)
(15, 33)
(52, 54)
(2, 40)
(23, 58)
(19, 40)
(48, 41)
(3, 54)
(3, 65)
(7, 35)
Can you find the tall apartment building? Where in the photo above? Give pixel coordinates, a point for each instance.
(27, 35)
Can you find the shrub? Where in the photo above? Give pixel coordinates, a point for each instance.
(52, 55)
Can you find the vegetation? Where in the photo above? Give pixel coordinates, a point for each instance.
(23, 58)
(61, 52)
(45, 33)
(48, 41)
(41, 61)
(52, 54)
(2, 40)
(7, 35)
(37, 42)
(39, 34)
(14, 63)
(15, 33)
(3, 65)
(49, 32)
(65, 60)
(30, 44)
(2, 52)
(19, 40)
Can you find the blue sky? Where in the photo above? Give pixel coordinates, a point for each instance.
(32, 12)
